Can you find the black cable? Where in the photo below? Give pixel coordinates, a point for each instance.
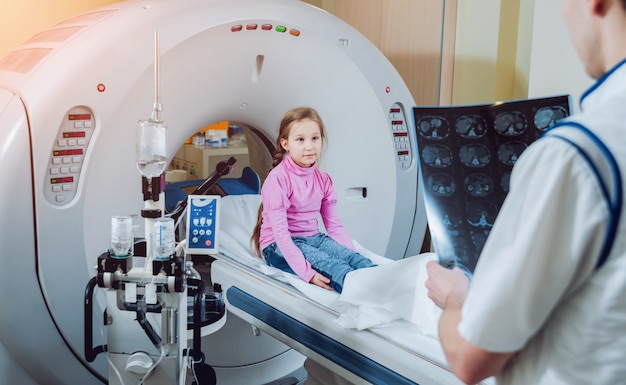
(146, 326)
(222, 168)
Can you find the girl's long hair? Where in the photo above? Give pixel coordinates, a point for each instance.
(292, 116)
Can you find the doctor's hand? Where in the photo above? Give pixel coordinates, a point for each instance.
(446, 285)
(321, 281)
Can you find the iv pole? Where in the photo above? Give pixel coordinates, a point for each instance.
(151, 159)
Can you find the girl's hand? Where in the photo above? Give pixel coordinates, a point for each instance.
(321, 281)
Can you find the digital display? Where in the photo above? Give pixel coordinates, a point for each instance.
(65, 179)
(392, 110)
(397, 134)
(397, 122)
(400, 153)
(78, 151)
(78, 134)
(79, 117)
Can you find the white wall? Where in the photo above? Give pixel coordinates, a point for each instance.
(554, 65)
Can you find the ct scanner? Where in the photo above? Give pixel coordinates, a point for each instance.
(72, 95)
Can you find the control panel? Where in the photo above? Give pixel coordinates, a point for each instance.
(401, 138)
(68, 154)
(203, 215)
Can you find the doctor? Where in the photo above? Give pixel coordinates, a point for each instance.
(538, 311)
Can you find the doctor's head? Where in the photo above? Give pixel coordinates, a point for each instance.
(301, 134)
(597, 29)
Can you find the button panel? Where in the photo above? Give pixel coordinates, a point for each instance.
(67, 156)
(401, 137)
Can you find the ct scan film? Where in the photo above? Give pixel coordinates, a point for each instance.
(466, 157)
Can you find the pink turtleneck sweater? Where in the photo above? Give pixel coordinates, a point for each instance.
(293, 198)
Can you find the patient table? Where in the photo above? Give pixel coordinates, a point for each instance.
(304, 316)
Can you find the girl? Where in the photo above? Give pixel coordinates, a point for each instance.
(294, 193)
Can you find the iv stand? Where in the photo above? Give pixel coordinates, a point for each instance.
(154, 137)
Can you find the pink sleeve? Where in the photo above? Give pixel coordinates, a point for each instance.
(330, 216)
(275, 194)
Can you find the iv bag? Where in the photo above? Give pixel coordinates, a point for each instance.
(151, 156)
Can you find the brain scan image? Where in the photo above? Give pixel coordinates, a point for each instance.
(456, 254)
(475, 155)
(433, 127)
(547, 117)
(451, 218)
(505, 180)
(510, 123)
(478, 185)
(479, 237)
(467, 154)
(509, 152)
(441, 185)
(471, 126)
(437, 156)
(481, 214)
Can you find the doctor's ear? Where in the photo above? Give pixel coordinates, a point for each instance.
(598, 7)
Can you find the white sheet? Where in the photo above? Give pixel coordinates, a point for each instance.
(372, 297)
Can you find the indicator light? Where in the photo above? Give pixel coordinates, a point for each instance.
(281, 28)
(67, 179)
(236, 28)
(294, 32)
(266, 27)
(78, 116)
(251, 27)
(387, 90)
(101, 87)
(77, 134)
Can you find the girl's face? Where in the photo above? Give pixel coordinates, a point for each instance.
(304, 142)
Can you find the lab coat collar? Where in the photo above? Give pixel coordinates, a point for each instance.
(589, 97)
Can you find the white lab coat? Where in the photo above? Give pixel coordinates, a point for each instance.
(535, 288)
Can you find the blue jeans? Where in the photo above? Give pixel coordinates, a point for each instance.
(326, 256)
